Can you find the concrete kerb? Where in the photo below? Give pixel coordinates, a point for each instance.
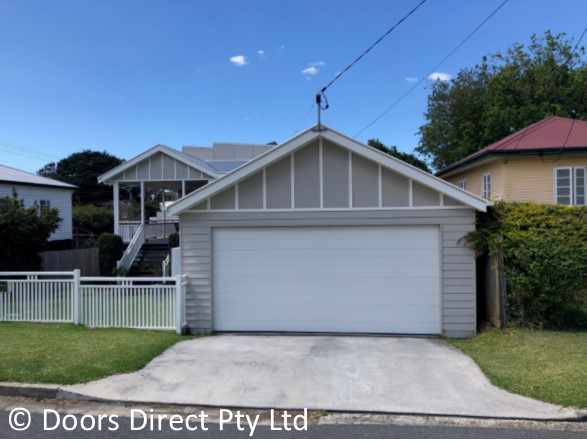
(43, 391)
(55, 391)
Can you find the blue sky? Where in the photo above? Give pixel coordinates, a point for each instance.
(124, 75)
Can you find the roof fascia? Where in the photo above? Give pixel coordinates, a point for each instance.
(408, 170)
(152, 151)
(305, 138)
(450, 170)
(242, 172)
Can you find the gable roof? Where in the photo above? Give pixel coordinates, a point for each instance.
(196, 163)
(550, 134)
(354, 146)
(10, 175)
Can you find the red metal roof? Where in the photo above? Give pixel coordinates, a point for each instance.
(550, 133)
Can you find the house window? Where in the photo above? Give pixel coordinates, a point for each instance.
(462, 184)
(45, 203)
(487, 185)
(569, 185)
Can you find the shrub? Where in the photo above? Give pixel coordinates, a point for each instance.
(173, 240)
(545, 258)
(96, 220)
(111, 249)
(25, 233)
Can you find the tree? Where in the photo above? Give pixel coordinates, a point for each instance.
(407, 157)
(25, 233)
(93, 219)
(505, 93)
(82, 169)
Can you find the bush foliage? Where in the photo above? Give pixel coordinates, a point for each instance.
(545, 258)
(94, 219)
(111, 249)
(25, 233)
(173, 240)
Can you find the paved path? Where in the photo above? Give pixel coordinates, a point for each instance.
(368, 374)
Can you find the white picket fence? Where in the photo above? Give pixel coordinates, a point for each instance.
(144, 303)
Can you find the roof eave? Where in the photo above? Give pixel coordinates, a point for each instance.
(308, 136)
(509, 153)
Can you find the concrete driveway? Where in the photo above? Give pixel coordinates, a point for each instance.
(368, 374)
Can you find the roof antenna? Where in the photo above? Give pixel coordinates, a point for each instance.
(319, 96)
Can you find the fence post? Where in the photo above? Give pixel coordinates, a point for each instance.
(76, 297)
(178, 304)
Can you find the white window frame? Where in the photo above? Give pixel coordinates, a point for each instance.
(462, 184)
(573, 193)
(486, 185)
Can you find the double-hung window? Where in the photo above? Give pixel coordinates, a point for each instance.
(462, 184)
(487, 185)
(569, 185)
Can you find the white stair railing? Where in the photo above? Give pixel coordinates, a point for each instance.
(133, 248)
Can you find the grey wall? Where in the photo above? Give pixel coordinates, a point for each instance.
(457, 261)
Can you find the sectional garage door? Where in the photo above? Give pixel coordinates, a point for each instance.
(327, 279)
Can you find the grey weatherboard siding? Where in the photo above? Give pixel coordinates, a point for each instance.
(323, 184)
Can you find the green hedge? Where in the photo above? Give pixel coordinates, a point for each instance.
(545, 259)
(111, 249)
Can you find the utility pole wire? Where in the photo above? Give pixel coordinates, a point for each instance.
(400, 99)
(390, 30)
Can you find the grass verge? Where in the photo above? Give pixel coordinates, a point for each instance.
(547, 365)
(69, 354)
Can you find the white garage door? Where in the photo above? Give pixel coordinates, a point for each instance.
(327, 279)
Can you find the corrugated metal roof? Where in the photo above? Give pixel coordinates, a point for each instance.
(550, 133)
(224, 166)
(11, 175)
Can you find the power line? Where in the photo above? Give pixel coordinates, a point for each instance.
(304, 119)
(400, 99)
(25, 151)
(579, 41)
(390, 30)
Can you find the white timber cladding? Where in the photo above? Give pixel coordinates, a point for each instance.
(57, 198)
(457, 262)
(357, 279)
(310, 178)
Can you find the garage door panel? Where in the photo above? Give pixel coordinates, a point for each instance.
(387, 287)
(388, 265)
(341, 279)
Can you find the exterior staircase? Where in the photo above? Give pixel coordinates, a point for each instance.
(149, 258)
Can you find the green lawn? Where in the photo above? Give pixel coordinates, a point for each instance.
(68, 354)
(547, 365)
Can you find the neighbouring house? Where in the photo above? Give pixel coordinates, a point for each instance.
(545, 162)
(160, 175)
(322, 234)
(45, 192)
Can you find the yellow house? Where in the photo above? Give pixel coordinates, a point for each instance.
(545, 162)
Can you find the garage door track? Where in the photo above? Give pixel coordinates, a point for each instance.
(367, 374)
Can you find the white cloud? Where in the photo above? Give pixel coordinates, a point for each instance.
(310, 71)
(239, 60)
(441, 76)
(411, 79)
(317, 64)
(260, 52)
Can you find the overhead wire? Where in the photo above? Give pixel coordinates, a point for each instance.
(379, 40)
(425, 77)
(304, 119)
(25, 151)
